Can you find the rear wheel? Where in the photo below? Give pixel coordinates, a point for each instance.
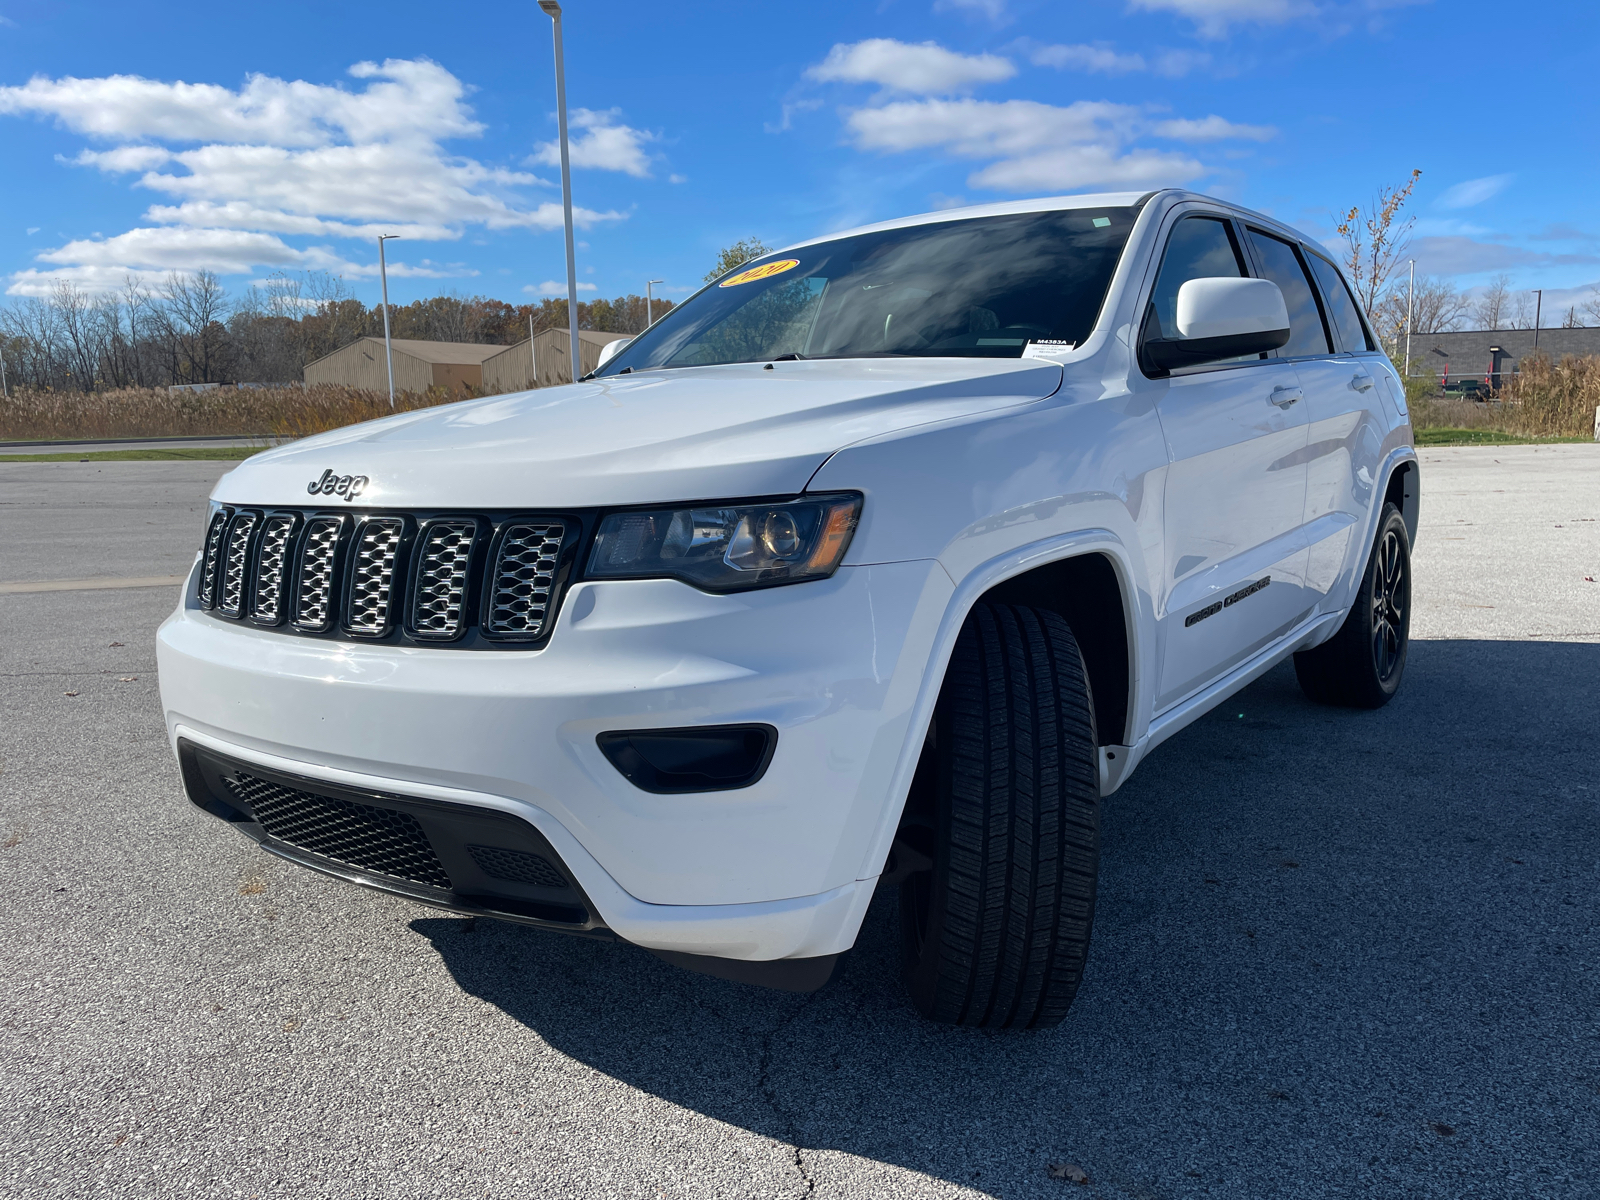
(1005, 815)
(1361, 665)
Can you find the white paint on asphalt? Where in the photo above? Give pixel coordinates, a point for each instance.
(89, 585)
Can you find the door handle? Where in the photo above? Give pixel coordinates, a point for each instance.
(1283, 397)
(1361, 381)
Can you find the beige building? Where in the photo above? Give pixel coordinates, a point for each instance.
(458, 365)
(514, 369)
(418, 366)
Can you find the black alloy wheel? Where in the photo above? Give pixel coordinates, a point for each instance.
(1361, 666)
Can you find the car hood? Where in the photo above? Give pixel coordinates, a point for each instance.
(684, 434)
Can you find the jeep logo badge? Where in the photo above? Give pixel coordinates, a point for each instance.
(348, 486)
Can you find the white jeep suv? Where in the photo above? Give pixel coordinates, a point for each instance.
(879, 561)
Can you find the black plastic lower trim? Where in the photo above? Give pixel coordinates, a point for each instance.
(783, 974)
(333, 829)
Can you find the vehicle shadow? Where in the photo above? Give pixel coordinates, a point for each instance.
(1323, 936)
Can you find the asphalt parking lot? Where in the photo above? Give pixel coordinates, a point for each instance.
(1338, 954)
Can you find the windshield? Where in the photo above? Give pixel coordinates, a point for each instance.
(984, 287)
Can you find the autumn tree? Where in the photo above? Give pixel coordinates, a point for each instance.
(736, 255)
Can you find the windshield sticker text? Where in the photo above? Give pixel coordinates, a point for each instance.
(764, 271)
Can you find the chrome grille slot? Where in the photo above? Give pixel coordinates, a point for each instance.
(212, 558)
(236, 565)
(272, 560)
(522, 579)
(313, 606)
(439, 597)
(372, 572)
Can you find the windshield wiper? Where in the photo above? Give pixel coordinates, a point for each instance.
(790, 357)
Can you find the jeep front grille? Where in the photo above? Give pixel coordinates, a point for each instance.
(524, 572)
(477, 581)
(443, 559)
(266, 605)
(211, 558)
(372, 576)
(318, 557)
(383, 840)
(236, 566)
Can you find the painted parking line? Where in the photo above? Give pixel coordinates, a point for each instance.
(90, 585)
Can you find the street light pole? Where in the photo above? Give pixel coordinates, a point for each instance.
(1411, 308)
(388, 353)
(552, 9)
(1538, 309)
(649, 317)
(5, 388)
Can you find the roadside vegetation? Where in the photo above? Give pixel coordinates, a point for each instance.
(267, 413)
(1543, 401)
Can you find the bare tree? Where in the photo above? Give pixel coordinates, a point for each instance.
(1376, 241)
(1570, 320)
(194, 308)
(1590, 308)
(1490, 309)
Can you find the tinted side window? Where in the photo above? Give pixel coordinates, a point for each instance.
(1280, 262)
(1341, 305)
(1199, 248)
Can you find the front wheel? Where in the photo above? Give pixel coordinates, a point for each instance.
(1361, 665)
(1007, 810)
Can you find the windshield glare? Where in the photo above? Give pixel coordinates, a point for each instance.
(984, 287)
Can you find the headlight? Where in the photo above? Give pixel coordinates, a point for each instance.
(728, 548)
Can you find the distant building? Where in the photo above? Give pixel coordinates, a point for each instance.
(458, 365)
(1488, 354)
(513, 369)
(418, 366)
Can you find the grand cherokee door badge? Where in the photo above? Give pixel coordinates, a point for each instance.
(1212, 610)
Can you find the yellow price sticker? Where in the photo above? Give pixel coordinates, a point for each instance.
(764, 271)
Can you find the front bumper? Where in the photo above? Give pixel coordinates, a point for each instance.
(774, 870)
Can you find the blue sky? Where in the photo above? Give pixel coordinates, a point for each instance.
(247, 139)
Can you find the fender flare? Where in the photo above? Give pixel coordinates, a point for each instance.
(967, 593)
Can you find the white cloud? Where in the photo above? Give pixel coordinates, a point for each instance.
(411, 99)
(1474, 191)
(1212, 17)
(602, 145)
(1087, 166)
(1213, 129)
(1039, 146)
(554, 287)
(677, 179)
(1104, 59)
(924, 69)
(1099, 58)
(244, 169)
(1177, 63)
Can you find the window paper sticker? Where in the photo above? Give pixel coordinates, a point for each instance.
(764, 271)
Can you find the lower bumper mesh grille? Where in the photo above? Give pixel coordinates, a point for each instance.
(358, 835)
(516, 865)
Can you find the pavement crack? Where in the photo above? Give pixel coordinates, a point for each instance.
(770, 1094)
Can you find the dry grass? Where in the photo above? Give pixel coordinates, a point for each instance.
(1544, 399)
(289, 412)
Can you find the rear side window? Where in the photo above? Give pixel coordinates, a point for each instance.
(1280, 262)
(1341, 305)
(1199, 248)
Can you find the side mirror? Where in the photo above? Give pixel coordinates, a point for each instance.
(610, 350)
(1222, 318)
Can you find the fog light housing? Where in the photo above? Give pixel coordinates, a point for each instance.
(701, 758)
